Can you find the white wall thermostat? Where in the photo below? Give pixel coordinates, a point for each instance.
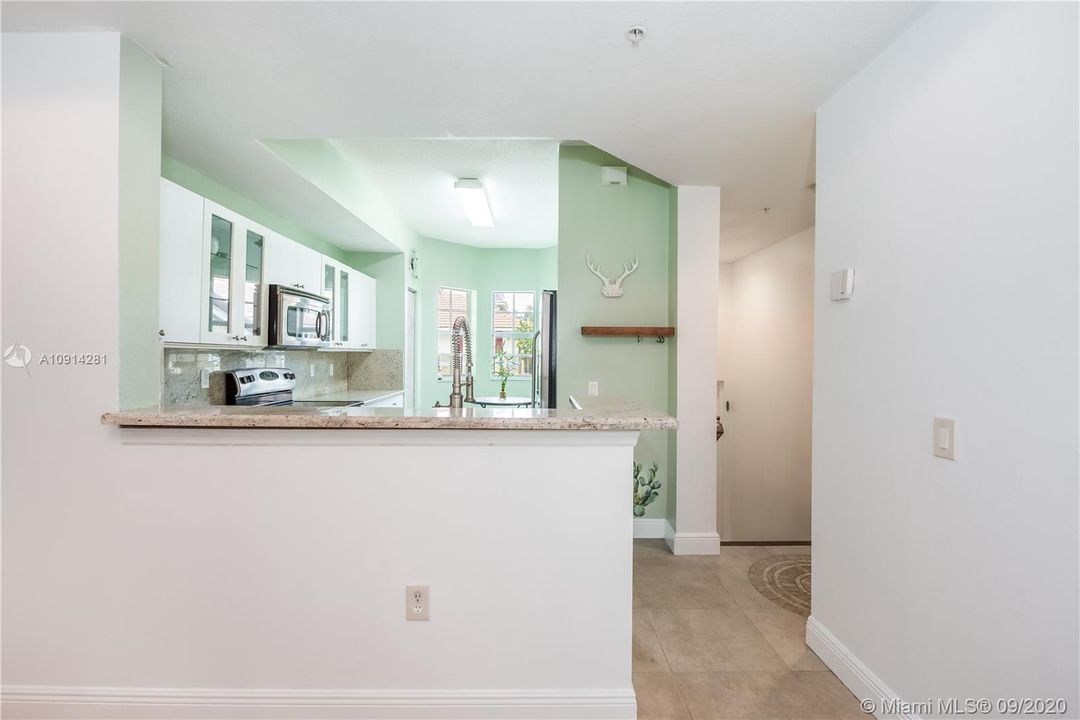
(841, 284)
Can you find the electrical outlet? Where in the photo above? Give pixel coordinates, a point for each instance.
(417, 602)
(204, 379)
(311, 371)
(594, 387)
(331, 369)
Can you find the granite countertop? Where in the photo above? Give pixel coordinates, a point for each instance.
(353, 395)
(598, 413)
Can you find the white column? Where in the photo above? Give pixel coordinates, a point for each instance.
(698, 260)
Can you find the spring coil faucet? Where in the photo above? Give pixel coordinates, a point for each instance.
(461, 338)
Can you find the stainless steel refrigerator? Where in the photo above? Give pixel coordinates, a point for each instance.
(544, 352)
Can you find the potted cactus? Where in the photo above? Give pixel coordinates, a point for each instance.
(646, 489)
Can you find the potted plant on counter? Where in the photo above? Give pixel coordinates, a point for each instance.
(503, 366)
(645, 489)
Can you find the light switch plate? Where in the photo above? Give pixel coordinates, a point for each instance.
(204, 378)
(945, 438)
(842, 285)
(594, 387)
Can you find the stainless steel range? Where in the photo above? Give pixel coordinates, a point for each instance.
(270, 387)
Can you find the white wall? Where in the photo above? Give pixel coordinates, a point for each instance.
(947, 176)
(218, 574)
(765, 353)
(695, 453)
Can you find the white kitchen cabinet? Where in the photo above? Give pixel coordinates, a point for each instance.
(352, 297)
(180, 264)
(335, 286)
(233, 290)
(397, 400)
(290, 263)
(362, 310)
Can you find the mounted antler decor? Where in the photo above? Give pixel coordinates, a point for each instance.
(612, 288)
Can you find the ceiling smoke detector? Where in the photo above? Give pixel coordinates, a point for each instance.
(636, 34)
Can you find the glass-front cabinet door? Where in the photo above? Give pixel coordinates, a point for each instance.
(233, 307)
(341, 307)
(253, 284)
(219, 290)
(330, 291)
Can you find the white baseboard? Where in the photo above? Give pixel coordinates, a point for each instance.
(90, 703)
(860, 680)
(649, 527)
(691, 543)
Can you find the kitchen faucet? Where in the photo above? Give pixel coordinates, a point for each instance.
(461, 338)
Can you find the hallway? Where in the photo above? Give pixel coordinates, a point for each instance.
(709, 645)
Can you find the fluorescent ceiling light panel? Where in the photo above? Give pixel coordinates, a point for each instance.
(473, 197)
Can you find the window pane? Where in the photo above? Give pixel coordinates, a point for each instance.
(523, 302)
(444, 309)
(513, 321)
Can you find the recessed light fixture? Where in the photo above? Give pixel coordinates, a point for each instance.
(474, 199)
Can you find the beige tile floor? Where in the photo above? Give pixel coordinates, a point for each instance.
(708, 646)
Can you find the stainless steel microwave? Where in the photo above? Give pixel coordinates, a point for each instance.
(298, 318)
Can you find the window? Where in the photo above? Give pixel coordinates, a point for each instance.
(452, 304)
(513, 323)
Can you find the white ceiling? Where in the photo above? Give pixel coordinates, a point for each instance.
(416, 177)
(719, 93)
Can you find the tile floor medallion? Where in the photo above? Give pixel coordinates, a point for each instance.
(785, 580)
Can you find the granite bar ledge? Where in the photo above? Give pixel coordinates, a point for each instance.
(606, 414)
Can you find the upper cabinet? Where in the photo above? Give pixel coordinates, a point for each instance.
(290, 263)
(216, 267)
(180, 263)
(362, 318)
(233, 298)
(352, 298)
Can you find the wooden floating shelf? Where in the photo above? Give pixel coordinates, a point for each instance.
(638, 331)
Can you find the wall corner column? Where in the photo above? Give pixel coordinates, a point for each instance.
(694, 529)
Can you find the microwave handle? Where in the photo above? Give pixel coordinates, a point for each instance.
(318, 325)
(325, 315)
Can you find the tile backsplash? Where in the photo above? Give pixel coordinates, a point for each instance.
(333, 371)
(376, 370)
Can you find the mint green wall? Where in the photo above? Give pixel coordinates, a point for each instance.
(388, 269)
(199, 184)
(324, 166)
(612, 224)
(139, 200)
(483, 271)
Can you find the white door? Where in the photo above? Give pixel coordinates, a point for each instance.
(221, 245)
(282, 262)
(232, 302)
(362, 310)
(309, 268)
(335, 291)
(410, 345)
(180, 264)
(251, 295)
